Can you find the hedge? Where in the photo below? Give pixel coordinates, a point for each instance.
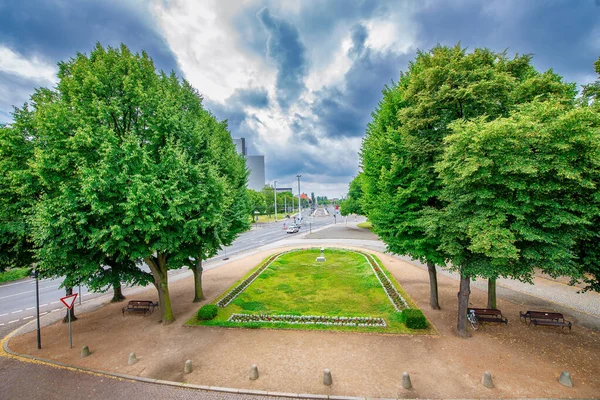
(414, 319)
(207, 312)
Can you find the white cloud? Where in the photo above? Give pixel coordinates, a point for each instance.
(31, 69)
(206, 45)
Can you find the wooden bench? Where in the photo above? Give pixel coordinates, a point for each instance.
(145, 306)
(545, 318)
(489, 315)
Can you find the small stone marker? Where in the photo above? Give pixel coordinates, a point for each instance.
(85, 351)
(487, 380)
(406, 384)
(132, 358)
(253, 372)
(565, 379)
(322, 258)
(327, 377)
(188, 367)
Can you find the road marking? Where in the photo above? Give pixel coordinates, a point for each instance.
(28, 291)
(56, 309)
(54, 302)
(1, 324)
(31, 316)
(16, 320)
(45, 312)
(30, 308)
(14, 312)
(86, 294)
(43, 305)
(2, 315)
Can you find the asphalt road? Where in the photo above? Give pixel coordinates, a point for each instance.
(17, 299)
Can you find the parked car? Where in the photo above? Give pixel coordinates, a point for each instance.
(293, 229)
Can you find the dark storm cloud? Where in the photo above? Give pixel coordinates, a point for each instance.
(559, 33)
(345, 111)
(14, 91)
(57, 29)
(286, 49)
(233, 110)
(257, 98)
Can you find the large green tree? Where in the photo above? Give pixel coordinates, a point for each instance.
(353, 204)
(18, 192)
(519, 192)
(129, 170)
(405, 139)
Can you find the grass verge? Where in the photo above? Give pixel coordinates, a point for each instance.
(14, 274)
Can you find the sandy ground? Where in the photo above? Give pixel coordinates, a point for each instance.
(525, 361)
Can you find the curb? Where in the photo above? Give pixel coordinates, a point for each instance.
(133, 378)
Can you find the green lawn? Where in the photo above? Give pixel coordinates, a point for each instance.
(296, 285)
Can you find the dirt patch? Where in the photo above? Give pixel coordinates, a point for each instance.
(525, 361)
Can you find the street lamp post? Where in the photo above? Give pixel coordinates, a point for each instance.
(275, 192)
(299, 202)
(37, 307)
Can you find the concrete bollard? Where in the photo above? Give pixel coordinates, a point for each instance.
(406, 383)
(487, 380)
(327, 380)
(132, 358)
(253, 372)
(85, 351)
(188, 367)
(565, 379)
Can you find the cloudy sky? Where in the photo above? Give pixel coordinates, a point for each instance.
(297, 79)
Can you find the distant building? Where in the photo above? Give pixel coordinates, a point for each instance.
(255, 164)
(284, 189)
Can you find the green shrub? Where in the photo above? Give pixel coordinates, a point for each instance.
(207, 312)
(414, 319)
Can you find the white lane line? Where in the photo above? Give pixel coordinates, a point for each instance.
(16, 320)
(1, 324)
(43, 305)
(18, 311)
(54, 302)
(27, 291)
(30, 308)
(56, 309)
(87, 294)
(2, 315)
(31, 316)
(45, 312)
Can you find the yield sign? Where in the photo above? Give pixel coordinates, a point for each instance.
(69, 300)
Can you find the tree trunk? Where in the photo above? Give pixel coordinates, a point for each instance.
(69, 292)
(491, 293)
(463, 304)
(433, 287)
(158, 267)
(117, 293)
(197, 269)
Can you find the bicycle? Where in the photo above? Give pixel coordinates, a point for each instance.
(473, 319)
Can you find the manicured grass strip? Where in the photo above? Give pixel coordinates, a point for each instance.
(224, 302)
(14, 274)
(309, 319)
(396, 298)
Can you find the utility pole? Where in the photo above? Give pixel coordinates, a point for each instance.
(285, 204)
(275, 184)
(299, 202)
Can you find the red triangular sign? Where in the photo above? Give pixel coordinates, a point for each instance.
(69, 300)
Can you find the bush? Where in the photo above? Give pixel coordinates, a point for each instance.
(414, 319)
(207, 312)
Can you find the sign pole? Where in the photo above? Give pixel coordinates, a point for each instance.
(37, 309)
(70, 331)
(69, 301)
